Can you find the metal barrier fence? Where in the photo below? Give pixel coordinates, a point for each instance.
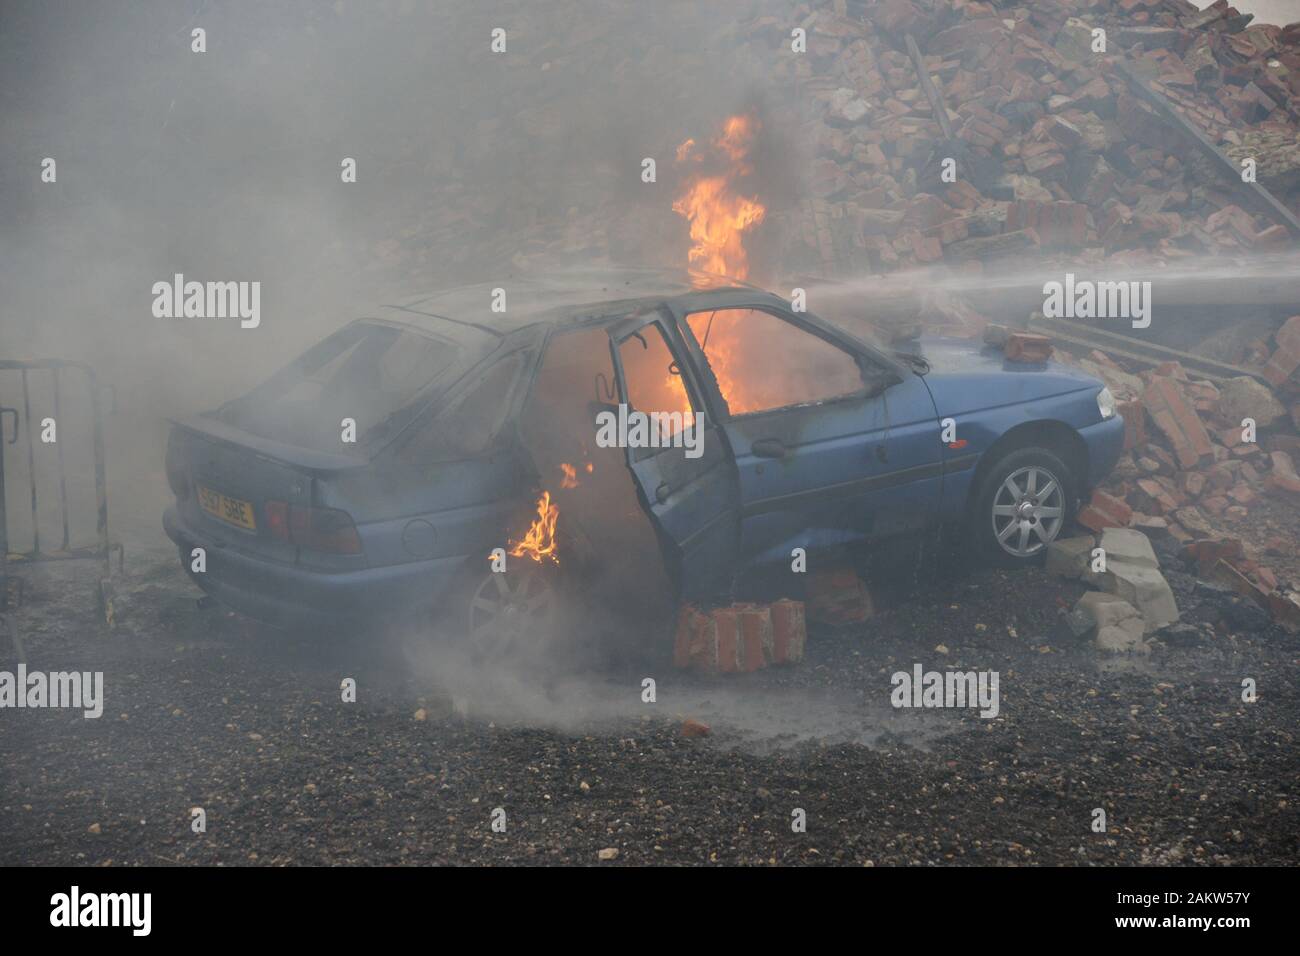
(16, 422)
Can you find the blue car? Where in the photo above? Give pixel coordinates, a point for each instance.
(467, 453)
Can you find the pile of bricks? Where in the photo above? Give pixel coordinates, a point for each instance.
(1055, 148)
(741, 638)
(1054, 151)
(1189, 475)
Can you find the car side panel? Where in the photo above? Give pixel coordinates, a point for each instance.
(855, 469)
(977, 431)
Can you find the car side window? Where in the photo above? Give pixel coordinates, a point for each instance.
(470, 426)
(653, 380)
(762, 362)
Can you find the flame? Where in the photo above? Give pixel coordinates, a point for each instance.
(719, 334)
(570, 479)
(539, 543)
(712, 203)
(679, 399)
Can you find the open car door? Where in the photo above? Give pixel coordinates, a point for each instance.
(833, 443)
(688, 484)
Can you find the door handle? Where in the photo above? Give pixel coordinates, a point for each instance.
(662, 492)
(769, 448)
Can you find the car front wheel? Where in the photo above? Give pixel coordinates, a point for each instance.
(1023, 503)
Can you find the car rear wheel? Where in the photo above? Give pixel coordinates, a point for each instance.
(511, 612)
(1024, 502)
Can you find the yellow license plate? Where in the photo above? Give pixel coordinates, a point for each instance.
(230, 510)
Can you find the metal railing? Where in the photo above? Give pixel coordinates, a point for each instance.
(12, 426)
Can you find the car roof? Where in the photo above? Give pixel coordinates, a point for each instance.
(565, 297)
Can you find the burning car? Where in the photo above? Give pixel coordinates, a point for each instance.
(476, 481)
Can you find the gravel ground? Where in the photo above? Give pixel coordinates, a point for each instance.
(207, 710)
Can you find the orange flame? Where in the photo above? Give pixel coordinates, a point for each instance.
(718, 214)
(539, 543)
(570, 479)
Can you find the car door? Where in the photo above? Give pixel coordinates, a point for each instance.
(690, 492)
(833, 442)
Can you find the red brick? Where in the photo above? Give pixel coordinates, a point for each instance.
(727, 622)
(1215, 504)
(1289, 333)
(789, 631)
(1153, 498)
(1177, 421)
(1209, 551)
(1242, 494)
(697, 640)
(1282, 363)
(1104, 511)
(1027, 347)
(755, 637)
(1135, 424)
(695, 728)
(838, 596)
(1287, 483)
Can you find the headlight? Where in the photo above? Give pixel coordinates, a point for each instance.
(1106, 404)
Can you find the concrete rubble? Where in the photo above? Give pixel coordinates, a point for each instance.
(1112, 623)
(1133, 601)
(1193, 472)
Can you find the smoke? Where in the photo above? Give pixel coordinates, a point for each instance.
(225, 165)
(560, 687)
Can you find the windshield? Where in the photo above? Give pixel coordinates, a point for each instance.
(369, 372)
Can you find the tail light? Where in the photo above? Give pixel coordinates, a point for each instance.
(316, 529)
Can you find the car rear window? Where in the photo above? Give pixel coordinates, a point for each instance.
(369, 372)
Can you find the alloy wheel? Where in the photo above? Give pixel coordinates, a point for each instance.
(1028, 511)
(510, 611)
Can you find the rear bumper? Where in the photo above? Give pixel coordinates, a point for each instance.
(287, 596)
(1105, 441)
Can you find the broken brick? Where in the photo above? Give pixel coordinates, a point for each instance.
(696, 645)
(789, 631)
(1177, 421)
(1104, 511)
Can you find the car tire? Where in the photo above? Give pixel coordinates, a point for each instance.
(1025, 501)
(506, 615)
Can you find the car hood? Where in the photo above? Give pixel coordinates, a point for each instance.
(967, 375)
